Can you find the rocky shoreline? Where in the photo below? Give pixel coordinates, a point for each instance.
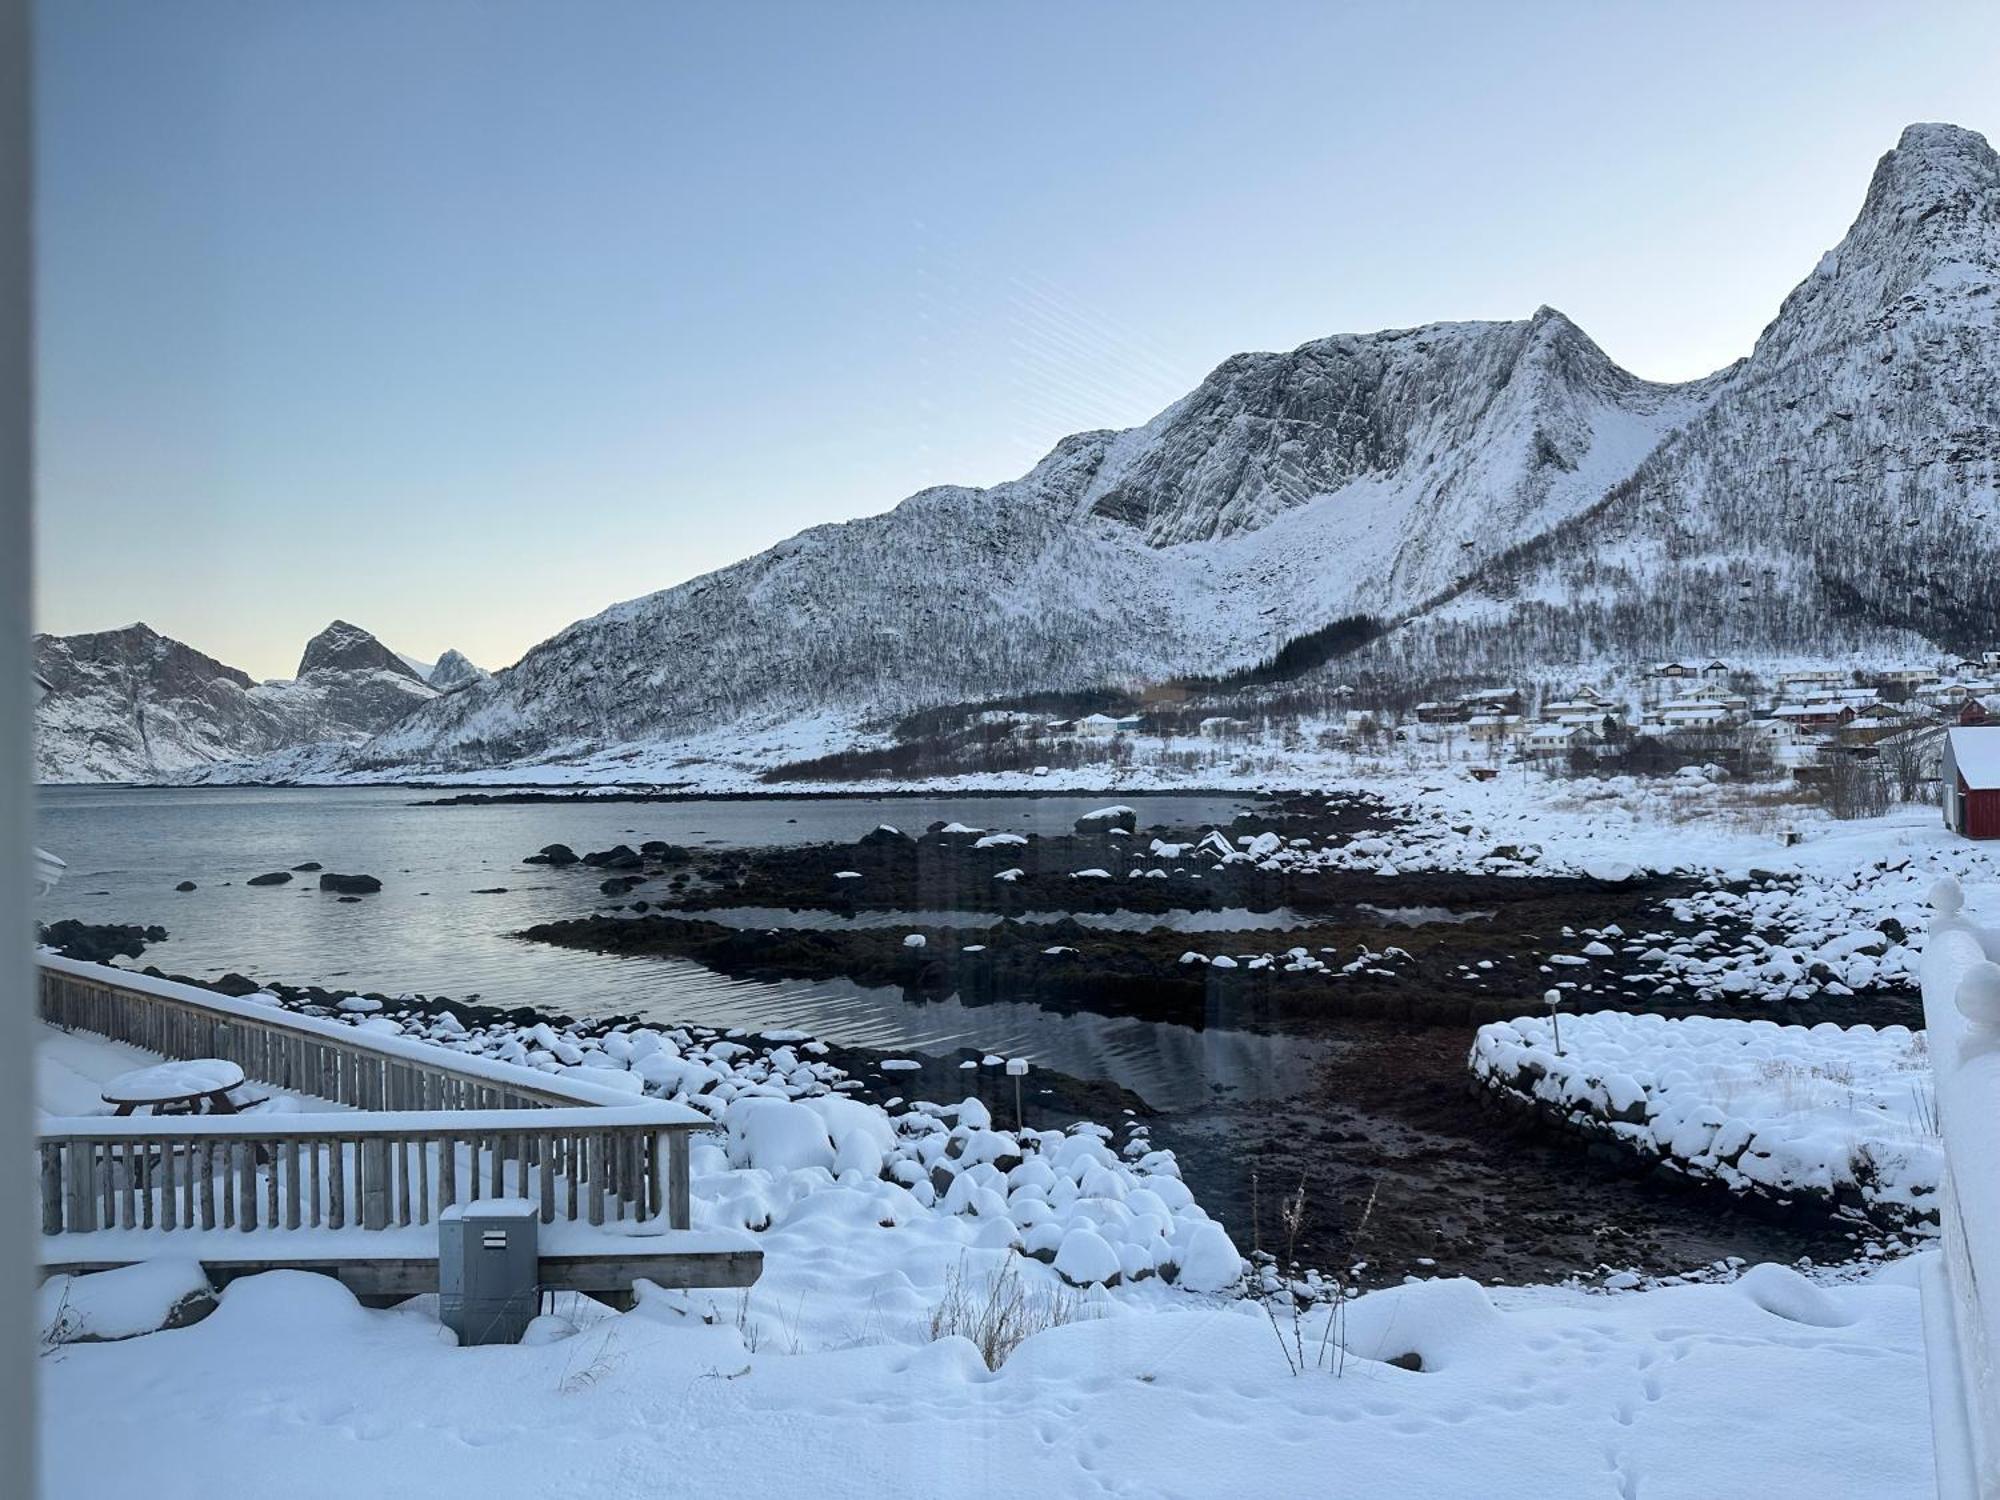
(1400, 1158)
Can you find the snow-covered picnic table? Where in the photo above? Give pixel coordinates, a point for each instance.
(192, 1086)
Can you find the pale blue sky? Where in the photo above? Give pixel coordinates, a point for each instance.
(465, 320)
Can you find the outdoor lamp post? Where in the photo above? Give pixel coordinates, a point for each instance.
(1017, 1069)
(1553, 999)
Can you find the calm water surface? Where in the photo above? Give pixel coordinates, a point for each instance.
(427, 931)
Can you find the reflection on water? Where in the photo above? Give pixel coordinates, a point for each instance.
(1423, 916)
(815, 919)
(427, 931)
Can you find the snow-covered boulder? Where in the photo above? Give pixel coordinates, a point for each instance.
(1210, 1263)
(1087, 1259)
(777, 1135)
(122, 1303)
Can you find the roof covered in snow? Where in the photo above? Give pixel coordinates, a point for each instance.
(1976, 754)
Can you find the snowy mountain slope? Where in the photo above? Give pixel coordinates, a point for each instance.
(1842, 489)
(1287, 491)
(1502, 492)
(134, 705)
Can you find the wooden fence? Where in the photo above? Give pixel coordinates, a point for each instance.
(360, 1171)
(432, 1127)
(327, 1059)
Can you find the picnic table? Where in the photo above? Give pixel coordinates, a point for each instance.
(194, 1086)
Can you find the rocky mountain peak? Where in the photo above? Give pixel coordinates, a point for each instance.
(342, 647)
(454, 670)
(1925, 245)
(1932, 166)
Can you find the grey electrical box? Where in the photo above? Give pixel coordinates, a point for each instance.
(489, 1270)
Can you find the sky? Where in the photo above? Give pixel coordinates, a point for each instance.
(463, 321)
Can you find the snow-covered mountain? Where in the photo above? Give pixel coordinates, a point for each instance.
(1495, 493)
(1287, 491)
(134, 705)
(1842, 486)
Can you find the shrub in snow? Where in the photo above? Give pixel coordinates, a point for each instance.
(996, 1312)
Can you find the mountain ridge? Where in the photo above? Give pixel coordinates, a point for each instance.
(134, 705)
(1492, 495)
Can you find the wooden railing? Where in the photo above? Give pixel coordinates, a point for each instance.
(1961, 984)
(327, 1059)
(431, 1127)
(360, 1171)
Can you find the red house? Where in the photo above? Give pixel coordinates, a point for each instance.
(1972, 782)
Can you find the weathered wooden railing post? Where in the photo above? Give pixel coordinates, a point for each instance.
(677, 1181)
(374, 1169)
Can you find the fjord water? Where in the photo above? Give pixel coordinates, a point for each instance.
(431, 931)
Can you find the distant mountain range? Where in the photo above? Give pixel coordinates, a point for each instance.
(1489, 495)
(134, 705)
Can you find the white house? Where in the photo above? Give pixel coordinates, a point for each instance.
(1773, 731)
(1551, 741)
(1695, 716)
(1494, 729)
(1103, 726)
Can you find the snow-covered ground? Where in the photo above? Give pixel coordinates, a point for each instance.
(1843, 1114)
(838, 1374)
(1769, 1386)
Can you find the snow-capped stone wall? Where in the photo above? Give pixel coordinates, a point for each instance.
(1841, 1117)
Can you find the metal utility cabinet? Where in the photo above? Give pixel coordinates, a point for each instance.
(489, 1270)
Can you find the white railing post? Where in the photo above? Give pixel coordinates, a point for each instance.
(1961, 1287)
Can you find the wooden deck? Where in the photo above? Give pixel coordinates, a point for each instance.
(357, 1194)
(389, 1273)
